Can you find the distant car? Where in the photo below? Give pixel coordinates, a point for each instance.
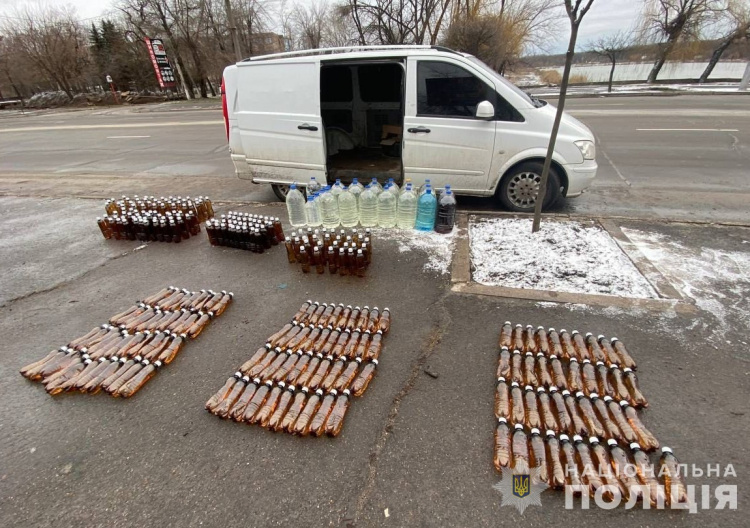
(402, 112)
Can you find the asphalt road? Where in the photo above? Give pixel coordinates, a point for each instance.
(669, 157)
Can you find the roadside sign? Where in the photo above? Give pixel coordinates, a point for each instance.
(160, 62)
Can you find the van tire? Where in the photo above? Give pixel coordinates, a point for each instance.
(281, 190)
(514, 188)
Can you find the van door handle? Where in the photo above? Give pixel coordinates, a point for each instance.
(419, 130)
(305, 126)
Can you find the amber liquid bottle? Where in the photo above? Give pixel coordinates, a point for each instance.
(336, 419)
(502, 451)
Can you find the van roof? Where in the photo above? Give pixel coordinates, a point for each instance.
(354, 52)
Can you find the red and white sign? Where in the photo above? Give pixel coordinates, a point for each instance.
(162, 68)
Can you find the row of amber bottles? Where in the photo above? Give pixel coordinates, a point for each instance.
(338, 253)
(244, 231)
(200, 206)
(557, 461)
(563, 412)
(281, 407)
(342, 317)
(150, 226)
(122, 356)
(566, 345)
(549, 371)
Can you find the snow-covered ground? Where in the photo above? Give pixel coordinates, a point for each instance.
(563, 256)
(437, 248)
(718, 281)
(635, 89)
(639, 71)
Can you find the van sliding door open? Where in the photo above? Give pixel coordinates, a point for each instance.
(278, 112)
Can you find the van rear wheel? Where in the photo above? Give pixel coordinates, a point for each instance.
(281, 191)
(518, 188)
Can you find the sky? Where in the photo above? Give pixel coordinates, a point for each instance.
(605, 17)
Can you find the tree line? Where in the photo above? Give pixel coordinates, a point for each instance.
(51, 48)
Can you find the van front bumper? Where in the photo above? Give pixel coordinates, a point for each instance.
(580, 176)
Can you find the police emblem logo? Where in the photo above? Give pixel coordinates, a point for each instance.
(521, 485)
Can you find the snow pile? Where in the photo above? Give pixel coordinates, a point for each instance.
(438, 248)
(718, 281)
(563, 256)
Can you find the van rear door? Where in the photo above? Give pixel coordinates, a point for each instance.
(278, 113)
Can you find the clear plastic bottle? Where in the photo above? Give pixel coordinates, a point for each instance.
(407, 181)
(407, 208)
(368, 207)
(387, 208)
(394, 188)
(426, 208)
(295, 206)
(312, 210)
(424, 187)
(376, 187)
(329, 209)
(356, 189)
(314, 186)
(446, 212)
(337, 188)
(348, 210)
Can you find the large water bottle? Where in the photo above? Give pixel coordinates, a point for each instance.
(368, 208)
(446, 212)
(394, 188)
(426, 208)
(314, 186)
(356, 189)
(376, 187)
(424, 187)
(387, 208)
(407, 181)
(407, 208)
(329, 209)
(337, 189)
(295, 206)
(312, 210)
(348, 208)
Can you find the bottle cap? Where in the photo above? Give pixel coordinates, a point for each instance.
(635, 446)
(624, 404)
(600, 337)
(551, 329)
(564, 438)
(563, 331)
(540, 328)
(535, 431)
(607, 399)
(503, 348)
(518, 427)
(515, 384)
(553, 389)
(246, 379)
(540, 355)
(594, 396)
(502, 421)
(613, 340)
(580, 395)
(319, 392)
(529, 388)
(577, 438)
(593, 440)
(666, 449)
(540, 390)
(612, 442)
(549, 433)
(627, 370)
(585, 361)
(375, 362)
(333, 392)
(501, 379)
(573, 359)
(566, 392)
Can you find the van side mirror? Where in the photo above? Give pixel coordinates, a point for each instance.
(485, 110)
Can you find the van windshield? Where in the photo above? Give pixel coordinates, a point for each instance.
(502, 80)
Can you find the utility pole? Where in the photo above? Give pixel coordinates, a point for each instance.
(745, 79)
(233, 31)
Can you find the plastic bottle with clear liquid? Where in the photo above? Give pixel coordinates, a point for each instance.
(348, 210)
(394, 188)
(407, 208)
(295, 206)
(426, 209)
(407, 181)
(329, 209)
(313, 186)
(312, 210)
(368, 207)
(356, 189)
(446, 212)
(376, 187)
(387, 208)
(337, 189)
(423, 188)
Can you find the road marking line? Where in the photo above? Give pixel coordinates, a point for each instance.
(123, 125)
(126, 137)
(687, 130)
(617, 171)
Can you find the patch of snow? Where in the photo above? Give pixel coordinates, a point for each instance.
(705, 275)
(563, 256)
(437, 247)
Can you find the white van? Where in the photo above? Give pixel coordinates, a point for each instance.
(402, 112)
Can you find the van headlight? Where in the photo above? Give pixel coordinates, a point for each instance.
(587, 148)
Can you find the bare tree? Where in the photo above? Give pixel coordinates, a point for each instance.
(309, 23)
(611, 47)
(670, 21)
(398, 21)
(52, 41)
(735, 23)
(576, 10)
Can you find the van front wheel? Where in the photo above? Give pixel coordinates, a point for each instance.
(518, 188)
(281, 190)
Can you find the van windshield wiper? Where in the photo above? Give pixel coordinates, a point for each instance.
(538, 103)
